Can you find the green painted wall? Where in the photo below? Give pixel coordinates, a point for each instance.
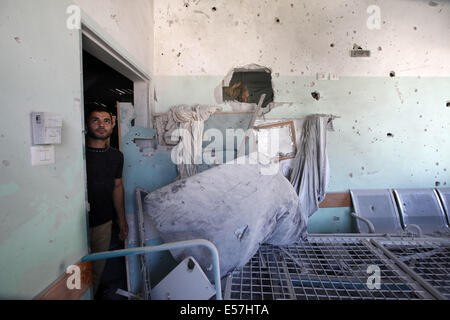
(42, 209)
(362, 156)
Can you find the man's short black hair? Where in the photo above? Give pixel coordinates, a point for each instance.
(96, 108)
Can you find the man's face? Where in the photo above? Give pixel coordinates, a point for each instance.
(100, 125)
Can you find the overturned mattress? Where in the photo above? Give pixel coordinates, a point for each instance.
(234, 206)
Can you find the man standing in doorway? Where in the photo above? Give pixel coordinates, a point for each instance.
(104, 166)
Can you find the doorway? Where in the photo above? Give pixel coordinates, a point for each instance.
(103, 86)
(111, 77)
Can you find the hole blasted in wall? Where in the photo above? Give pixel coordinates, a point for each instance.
(243, 87)
(315, 95)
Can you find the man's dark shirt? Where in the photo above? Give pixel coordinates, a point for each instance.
(103, 167)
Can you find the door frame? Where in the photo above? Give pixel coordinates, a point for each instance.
(99, 44)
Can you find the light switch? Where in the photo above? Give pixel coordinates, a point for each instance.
(333, 76)
(321, 76)
(42, 155)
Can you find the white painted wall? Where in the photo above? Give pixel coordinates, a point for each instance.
(128, 22)
(194, 40)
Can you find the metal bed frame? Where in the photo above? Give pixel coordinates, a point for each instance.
(338, 267)
(332, 267)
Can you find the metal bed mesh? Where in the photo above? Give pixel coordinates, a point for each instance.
(329, 269)
(428, 259)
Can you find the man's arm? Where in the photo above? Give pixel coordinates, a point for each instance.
(118, 199)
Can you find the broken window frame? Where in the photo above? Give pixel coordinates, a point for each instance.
(280, 125)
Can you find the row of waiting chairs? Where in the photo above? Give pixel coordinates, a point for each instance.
(394, 211)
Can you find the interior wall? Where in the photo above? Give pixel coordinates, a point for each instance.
(43, 225)
(43, 213)
(195, 47)
(391, 132)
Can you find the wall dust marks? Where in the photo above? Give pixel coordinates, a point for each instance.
(302, 41)
(315, 37)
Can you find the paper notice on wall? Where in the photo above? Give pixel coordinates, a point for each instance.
(42, 155)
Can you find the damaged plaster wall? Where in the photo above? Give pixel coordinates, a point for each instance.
(309, 37)
(148, 169)
(195, 48)
(392, 130)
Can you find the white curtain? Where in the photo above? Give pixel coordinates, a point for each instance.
(190, 124)
(310, 173)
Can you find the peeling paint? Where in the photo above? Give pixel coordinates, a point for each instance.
(138, 161)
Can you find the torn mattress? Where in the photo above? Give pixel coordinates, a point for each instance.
(235, 206)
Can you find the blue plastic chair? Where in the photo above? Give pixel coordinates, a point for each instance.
(444, 195)
(421, 207)
(378, 206)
